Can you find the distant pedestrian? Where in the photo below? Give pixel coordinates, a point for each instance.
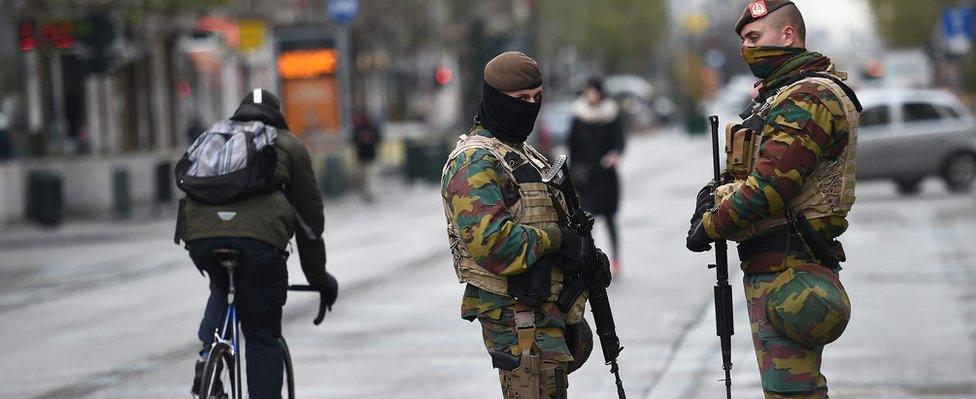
(596, 140)
(366, 137)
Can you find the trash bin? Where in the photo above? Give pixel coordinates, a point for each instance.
(425, 160)
(46, 202)
(334, 177)
(123, 195)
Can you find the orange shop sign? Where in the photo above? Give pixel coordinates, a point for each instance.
(302, 64)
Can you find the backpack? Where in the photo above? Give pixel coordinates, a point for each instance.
(231, 161)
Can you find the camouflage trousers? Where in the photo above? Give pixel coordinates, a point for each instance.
(788, 368)
(500, 331)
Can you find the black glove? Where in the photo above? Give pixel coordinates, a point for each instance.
(329, 289)
(698, 240)
(576, 252)
(601, 270)
(705, 200)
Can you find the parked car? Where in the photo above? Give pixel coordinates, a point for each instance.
(909, 134)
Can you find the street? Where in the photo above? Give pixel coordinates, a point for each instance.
(110, 309)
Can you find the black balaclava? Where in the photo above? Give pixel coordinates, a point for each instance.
(507, 118)
(261, 105)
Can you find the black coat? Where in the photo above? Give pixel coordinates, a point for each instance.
(589, 142)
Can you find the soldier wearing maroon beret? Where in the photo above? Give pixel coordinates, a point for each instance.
(786, 203)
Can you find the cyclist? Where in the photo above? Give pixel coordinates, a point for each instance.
(258, 226)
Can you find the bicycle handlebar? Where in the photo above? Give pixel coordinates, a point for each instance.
(323, 305)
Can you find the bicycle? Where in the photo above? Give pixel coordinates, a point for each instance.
(223, 365)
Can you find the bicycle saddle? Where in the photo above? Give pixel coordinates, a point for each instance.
(223, 255)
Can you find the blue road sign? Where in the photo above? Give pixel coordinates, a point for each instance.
(343, 11)
(957, 29)
(958, 21)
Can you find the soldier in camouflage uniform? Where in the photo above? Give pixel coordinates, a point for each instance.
(806, 119)
(508, 246)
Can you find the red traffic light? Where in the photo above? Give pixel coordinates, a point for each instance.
(443, 76)
(27, 41)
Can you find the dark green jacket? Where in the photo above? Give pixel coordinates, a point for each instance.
(271, 218)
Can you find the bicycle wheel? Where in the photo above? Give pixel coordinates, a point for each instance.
(289, 386)
(218, 374)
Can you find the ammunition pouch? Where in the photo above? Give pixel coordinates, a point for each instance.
(741, 149)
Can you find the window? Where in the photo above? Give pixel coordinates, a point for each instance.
(947, 111)
(876, 116)
(920, 112)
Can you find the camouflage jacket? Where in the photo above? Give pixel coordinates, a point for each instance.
(478, 194)
(806, 128)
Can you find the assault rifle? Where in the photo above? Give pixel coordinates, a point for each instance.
(581, 222)
(723, 291)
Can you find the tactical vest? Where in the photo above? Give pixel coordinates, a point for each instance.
(829, 190)
(535, 207)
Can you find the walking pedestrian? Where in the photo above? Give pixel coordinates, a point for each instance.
(596, 141)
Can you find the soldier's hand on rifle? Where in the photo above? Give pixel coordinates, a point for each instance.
(705, 200)
(698, 240)
(601, 269)
(576, 252)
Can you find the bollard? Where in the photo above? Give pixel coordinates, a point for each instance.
(411, 168)
(46, 198)
(164, 182)
(123, 196)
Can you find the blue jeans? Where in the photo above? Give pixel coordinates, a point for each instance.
(261, 279)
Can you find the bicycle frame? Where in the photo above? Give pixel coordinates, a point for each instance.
(220, 335)
(229, 332)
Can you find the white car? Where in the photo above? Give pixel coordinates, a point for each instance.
(909, 134)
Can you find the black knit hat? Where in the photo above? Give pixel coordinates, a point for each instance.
(261, 105)
(758, 9)
(263, 97)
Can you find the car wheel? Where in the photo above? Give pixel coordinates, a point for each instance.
(908, 186)
(960, 171)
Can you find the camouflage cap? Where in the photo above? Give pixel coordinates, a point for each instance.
(808, 304)
(758, 9)
(512, 71)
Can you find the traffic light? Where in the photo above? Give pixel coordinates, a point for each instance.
(27, 41)
(443, 76)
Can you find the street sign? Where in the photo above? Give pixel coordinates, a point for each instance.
(957, 29)
(343, 11)
(251, 32)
